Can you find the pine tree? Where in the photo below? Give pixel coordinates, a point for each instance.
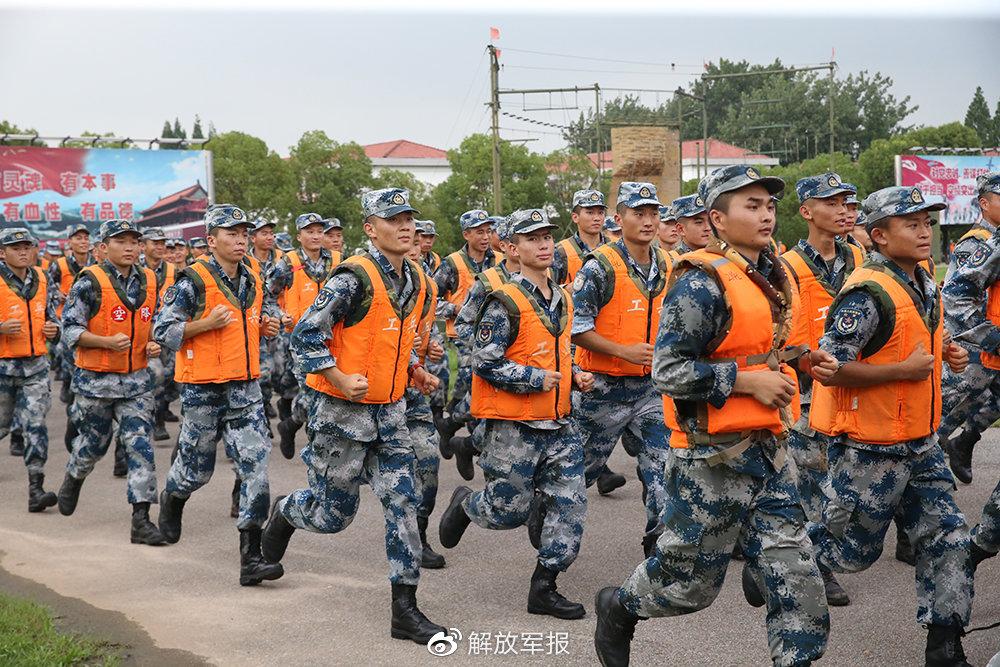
(995, 141)
(196, 131)
(179, 132)
(978, 117)
(166, 132)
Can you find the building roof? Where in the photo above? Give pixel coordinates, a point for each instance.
(402, 148)
(186, 193)
(690, 150)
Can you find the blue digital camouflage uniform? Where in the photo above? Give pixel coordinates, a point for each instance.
(278, 280)
(420, 424)
(971, 400)
(269, 347)
(872, 483)
(162, 367)
(806, 446)
(355, 443)
(625, 407)
(101, 399)
(750, 500)
(987, 534)
(522, 457)
(232, 411)
(24, 382)
(63, 355)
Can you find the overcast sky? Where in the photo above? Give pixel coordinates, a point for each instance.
(394, 74)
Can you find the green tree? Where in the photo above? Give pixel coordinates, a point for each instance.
(978, 118)
(523, 179)
(422, 199)
(331, 178)
(88, 144)
(877, 164)
(196, 132)
(582, 134)
(996, 127)
(7, 127)
(178, 131)
(250, 175)
(167, 132)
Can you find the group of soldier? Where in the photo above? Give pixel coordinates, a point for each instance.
(782, 407)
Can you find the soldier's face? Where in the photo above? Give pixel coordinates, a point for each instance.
(478, 238)
(639, 224)
(122, 250)
(156, 249)
(905, 238)
(197, 252)
(828, 215)
(749, 221)
(495, 242)
(229, 243)
(334, 239)
(589, 220)
(533, 250)
(263, 238)
(80, 243)
(668, 233)
(695, 230)
(989, 204)
(311, 237)
(427, 242)
(18, 255)
(393, 236)
(852, 217)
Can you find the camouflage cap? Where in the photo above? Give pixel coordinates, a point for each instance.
(53, 248)
(181, 242)
(330, 224)
(504, 229)
(634, 194)
(224, 216)
(852, 196)
(13, 235)
(198, 242)
(735, 177)
(496, 221)
(890, 202)
(527, 220)
(822, 186)
(667, 214)
(284, 241)
(387, 202)
(474, 218)
(307, 219)
(588, 199)
(428, 228)
(988, 182)
(154, 234)
(688, 206)
(72, 230)
(111, 228)
(610, 225)
(260, 224)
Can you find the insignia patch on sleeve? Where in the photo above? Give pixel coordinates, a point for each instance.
(323, 298)
(978, 256)
(485, 334)
(578, 283)
(169, 295)
(848, 321)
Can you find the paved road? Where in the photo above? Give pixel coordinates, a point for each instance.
(332, 606)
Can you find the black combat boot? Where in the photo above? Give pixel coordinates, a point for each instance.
(977, 554)
(253, 568)
(615, 628)
(959, 451)
(121, 463)
(442, 426)
(143, 530)
(159, 426)
(836, 596)
(66, 392)
(464, 452)
(429, 558)
(269, 410)
(544, 599)
(284, 408)
(71, 432)
(234, 508)
(904, 550)
(169, 416)
(277, 532)
(649, 544)
(608, 481)
(536, 520)
(408, 622)
(69, 494)
(38, 498)
(171, 509)
(287, 428)
(751, 591)
(454, 520)
(16, 443)
(944, 647)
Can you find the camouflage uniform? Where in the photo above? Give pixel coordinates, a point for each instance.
(269, 347)
(420, 424)
(629, 408)
(64, 356)
(353, 443)
(162, 367)
(520, 457)
(871, 483)
(987, 534)
(231, 410)
(24, 382)
(100, 399)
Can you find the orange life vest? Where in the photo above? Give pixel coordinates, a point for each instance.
(435, 261)
(892, 412)
(337, 259)
(815, 294)
(44, 263)
(466, 276)
(631, 316)
(378, 345)
(540, 343)
(66, 278)
(575, 254)
(988, 359)
(116, 316)
(31, 311)
(229, 353)
(750, 343)
(169, 277)
(303, 290)
(426, 326)
(493, 278)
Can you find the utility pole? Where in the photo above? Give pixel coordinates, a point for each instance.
(832, 66)
(495, 108)
(600, 137)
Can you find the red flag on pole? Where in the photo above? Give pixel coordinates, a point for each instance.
(494, 34)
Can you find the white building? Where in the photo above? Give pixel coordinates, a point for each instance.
(427, 164)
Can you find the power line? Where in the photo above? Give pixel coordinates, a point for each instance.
(606, 60)
(468, 92)
(598, 71)
(532, 120)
